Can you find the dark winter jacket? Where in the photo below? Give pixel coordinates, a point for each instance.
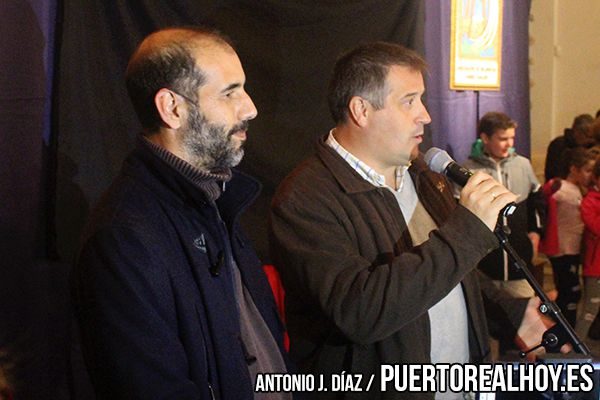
(153, 287)
(358, 292)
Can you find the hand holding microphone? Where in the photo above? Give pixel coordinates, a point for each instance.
(486, 198)
(482, 195)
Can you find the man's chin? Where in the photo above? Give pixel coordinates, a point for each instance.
(414, 153)
(236, 158)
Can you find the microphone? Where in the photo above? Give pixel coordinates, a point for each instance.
(440, 161)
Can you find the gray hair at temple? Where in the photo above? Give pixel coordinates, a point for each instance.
(165, 59)
(362, 72)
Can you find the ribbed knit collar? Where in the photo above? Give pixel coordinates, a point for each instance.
(211, 183)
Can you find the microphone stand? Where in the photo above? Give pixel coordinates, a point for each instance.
(560, 333)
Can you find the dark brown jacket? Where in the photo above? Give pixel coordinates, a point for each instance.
(357, 290)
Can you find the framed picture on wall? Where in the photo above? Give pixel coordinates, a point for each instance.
(476, 45)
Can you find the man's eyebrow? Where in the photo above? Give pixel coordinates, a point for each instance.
(412, 94)
(231, 87)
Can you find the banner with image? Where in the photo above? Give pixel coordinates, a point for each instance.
(476, 45)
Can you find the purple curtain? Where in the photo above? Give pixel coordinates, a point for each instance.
(455, 113)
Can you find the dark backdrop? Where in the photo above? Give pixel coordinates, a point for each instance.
(287, 49)
(50, 181)
(33, 310)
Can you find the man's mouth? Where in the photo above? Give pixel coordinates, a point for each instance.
(240, 135)
(239, 131)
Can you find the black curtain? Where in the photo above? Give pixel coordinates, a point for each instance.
(287, 49)
(33, 327)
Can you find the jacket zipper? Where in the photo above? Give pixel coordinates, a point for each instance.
(212, 393)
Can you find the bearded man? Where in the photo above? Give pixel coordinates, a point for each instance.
(169, 295)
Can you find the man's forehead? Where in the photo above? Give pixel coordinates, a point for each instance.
(206, 50)
(221, 67)
(405, 78)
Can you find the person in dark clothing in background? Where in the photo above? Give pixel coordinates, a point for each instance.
(577, 136)
(170, 297)
(371, 245)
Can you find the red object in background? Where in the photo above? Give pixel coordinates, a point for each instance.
(549, 241)
(279, 294)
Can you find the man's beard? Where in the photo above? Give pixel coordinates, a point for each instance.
(210, 146)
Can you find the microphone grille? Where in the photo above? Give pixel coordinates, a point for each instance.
(437, 159)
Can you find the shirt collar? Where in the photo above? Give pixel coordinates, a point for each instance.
(366, 172)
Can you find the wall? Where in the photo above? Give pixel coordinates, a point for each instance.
(564, 68)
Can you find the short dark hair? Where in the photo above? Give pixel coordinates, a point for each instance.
(165, 60)
(582, 122)
(580, 128)
(494, 121)
(363, 70)
(576, 157)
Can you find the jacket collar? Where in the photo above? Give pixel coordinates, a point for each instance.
(168, 183)
(348, 178)
(211, 183)
(433, 189)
